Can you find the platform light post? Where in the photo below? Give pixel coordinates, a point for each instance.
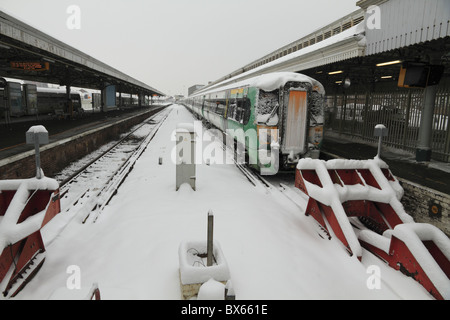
(380, 131)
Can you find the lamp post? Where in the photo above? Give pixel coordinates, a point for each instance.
(380, 131)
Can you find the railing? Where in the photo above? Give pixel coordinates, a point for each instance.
(319, 35)
(400, 111)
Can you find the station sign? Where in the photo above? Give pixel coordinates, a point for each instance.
(30, 65)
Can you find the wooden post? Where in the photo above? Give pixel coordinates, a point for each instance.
(210, 246)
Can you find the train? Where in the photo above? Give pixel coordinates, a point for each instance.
(52, 100)
(19, 99)
(275, 118)
(27, 99)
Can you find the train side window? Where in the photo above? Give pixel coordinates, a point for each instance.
(231, 110)
(220, 107)
(244, 110)
(209, 106)
(239, 110)
(247, 110)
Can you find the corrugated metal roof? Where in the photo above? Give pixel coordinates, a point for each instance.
(407, 22)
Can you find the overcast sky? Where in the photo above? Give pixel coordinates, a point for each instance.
(174, 44)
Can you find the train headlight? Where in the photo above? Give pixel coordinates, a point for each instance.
(267, 136)
(316, 135)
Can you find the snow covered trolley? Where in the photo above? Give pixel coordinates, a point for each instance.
(194, 271)
(275, 119)
(25, 207)
(359, 203)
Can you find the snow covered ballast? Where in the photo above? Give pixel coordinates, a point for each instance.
(359, 203)
(26, 206)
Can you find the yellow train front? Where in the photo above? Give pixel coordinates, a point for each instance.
(274, 119)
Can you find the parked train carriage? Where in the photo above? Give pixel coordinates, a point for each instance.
(126, 100)
(52, 100)
(281, 115)
(18, 99)
(12, 100)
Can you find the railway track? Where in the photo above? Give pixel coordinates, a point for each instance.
(279, 184)
(284, 183)
(89, 189)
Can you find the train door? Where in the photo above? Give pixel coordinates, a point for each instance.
(203, 108)
(296, 123)
(225, 114)
(30, 93)
(16, 107)
(4, 112)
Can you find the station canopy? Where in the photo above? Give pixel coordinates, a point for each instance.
(29, 54)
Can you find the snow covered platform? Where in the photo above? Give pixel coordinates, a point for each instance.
(273, 250)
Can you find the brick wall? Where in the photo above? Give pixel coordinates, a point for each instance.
(426, 205)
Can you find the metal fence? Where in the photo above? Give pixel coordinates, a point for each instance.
(399, 110)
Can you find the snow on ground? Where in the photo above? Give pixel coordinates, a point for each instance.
(273, 250)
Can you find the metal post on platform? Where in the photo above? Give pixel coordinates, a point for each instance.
(210, 246)
(37, 135)
(380, 131)
(185, 156)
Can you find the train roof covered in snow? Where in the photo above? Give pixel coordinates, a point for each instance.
(266, 82)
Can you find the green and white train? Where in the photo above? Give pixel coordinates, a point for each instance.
(277, 118)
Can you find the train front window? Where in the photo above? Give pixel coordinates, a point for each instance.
(266, 111)
(316, 110)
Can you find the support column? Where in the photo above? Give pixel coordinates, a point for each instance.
(102, 100)
(109, 97)
(423, 151)
(140, 98)
(69, 104)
